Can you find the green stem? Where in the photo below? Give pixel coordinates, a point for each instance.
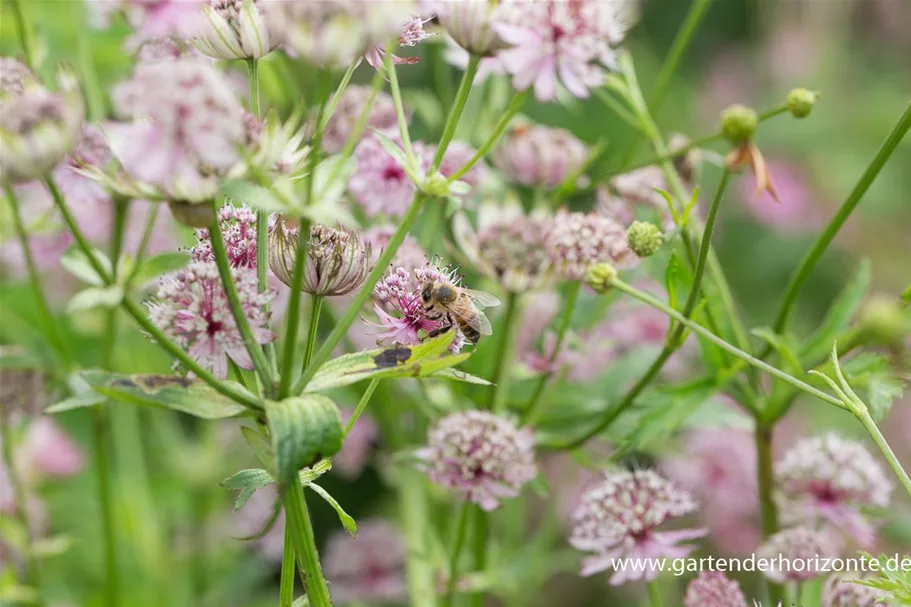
(31, 573)
(479, 550)
(94, 93)
(415, 517)
(101, 433)
(286, 588)
(536, 407)
(312, 330)
(452, 121)
(675, 340)
(298, 521)
(873, 430)
(461, 529)
(237, 311)
(505, 353)
(25, 33)
(822, 243)
(337, 96)
(362, 404)
(48, 323)
(514, 106)
(682, 40)
(765, 469)
(401, 118)
(654, 593)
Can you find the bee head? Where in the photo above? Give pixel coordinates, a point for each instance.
(445, 293)
(427, 292)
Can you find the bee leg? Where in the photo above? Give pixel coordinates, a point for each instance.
(444, 327)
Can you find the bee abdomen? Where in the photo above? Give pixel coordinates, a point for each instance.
(470, 333)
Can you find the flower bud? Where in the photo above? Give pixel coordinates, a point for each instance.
(883, 321)
(436, 185)
(738, 123)
(338, 261)
(235, 29)
(468, 23)
(599, 277)
(644, 238)
(800, 102)
(38, 128)
(192, 215)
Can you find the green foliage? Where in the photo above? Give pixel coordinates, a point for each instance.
(303, 429)
(891, 579)
(839, 316)
(78, 264)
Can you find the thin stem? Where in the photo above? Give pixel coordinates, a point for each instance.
(617, 107)
(452, 121)
(654, 593)
(401, 118)
(312, 331)
(766, 476)
(415, 518)
(337, 96)
(536, 407)
(298, 521)
(101, 433)
(362, 404)
(237, 310)
(675, 340)
(286, 588)
(94, 93)
(479, 550)
(49, 325)
(873, 430)
(19, 500)
(461, 532)
(822, 243)
(25, 33)
(505, 353)
(518, 100)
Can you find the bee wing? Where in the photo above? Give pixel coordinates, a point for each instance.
(481, 299)
(478, 321)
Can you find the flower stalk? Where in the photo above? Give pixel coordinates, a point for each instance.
(362, 404)
(31, 573)
(505, 353)
(298, 521)
(458, 544)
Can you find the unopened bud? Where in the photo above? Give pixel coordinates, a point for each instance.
(599, 277)
(436, 185)
(800, 102)
(883, 321)
(193, 215)
(644, 238)
(738, 123)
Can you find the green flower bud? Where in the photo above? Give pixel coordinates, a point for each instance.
(599, 277)
(883, 321)
(436, 185)
(644, 238)
(738, 123)
(800, 102)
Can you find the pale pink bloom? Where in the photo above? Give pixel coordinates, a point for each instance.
(799, 545)
(832, 479)
(348, 111)
(798, 210)
(844, 591)
(379, 185)
(481, 456)
(619, 517)
(238, 228)
(557, 41)
(191, 307)
(634, 195)
(412, 34)
(47, 452)
(367, 568)
(713, 589)
(189, 125)
(459, 57)
(579, 241)
(163, 19)
(539, 156)
(470, 24)
(350, 461)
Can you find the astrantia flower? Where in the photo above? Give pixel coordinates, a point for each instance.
(401, 312)
(37, 127)
(792, 554)
(379, 185)
(346, 114)
(236, 29)
(14, 78)
(569, 42)
(578, 241)
(192, 308)
(337, 259)
(832, 478)
(844, 591)
(163, 19)
(412, 33)
(482, 456)
(189, 125)
(713, 589)
(470, 24)
(238, 228)
(368, 568)
(619, 517)
(539, 156)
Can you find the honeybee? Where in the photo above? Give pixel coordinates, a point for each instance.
(458, 306)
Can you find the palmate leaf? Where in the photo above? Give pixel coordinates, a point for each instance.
(429, 358)
(304, 429)
(172, 392)
(839, 316)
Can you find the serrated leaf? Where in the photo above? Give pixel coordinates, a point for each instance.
(173, 392)
(247, 482)
(159, 265)
(255, 196)
(347, 521)
(839, 316)
(95, 297)
(77, 263)
(77, 401)
(384, 363)
(303, 429)
(882, 389)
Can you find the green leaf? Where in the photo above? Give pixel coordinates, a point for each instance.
(782, 345)
(459, 375)
(247, 482)
(347, 521)
(301, 601)
(77, 263)
(400, 361)
(308, 475)
(95, 297)
(883, 389)
(839, 316)
(304, 429)
(260, 445)
(160, 264)
(252, 195)
(77, 401)
(172, 392)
